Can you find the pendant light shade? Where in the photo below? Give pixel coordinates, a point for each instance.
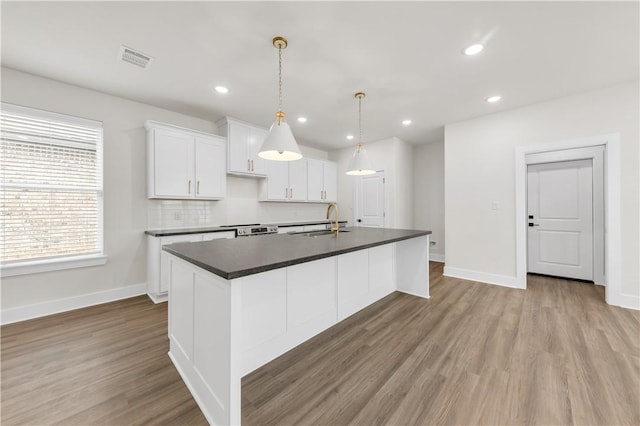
(280, 145)
(360, 165)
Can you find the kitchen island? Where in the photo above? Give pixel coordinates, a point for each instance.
(237, 304)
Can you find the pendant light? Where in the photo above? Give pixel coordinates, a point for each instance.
(360, 165)
(279, 144)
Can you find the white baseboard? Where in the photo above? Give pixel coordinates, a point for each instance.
(483, 277)
(23, 313)
(625, 301)
(436, 257)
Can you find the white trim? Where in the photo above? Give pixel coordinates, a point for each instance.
(613, 240)
(152, 125)
(50, 115)
(48, 265)
(596, 155)
(436, 257)
(628, 301)
(482, 277)
(23, 313)
(158, 298)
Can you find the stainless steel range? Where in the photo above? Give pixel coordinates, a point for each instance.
(247, 231)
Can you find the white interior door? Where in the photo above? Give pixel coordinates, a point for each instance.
(370, 200)
(560, 209)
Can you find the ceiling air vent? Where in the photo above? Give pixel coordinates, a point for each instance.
(135, 57)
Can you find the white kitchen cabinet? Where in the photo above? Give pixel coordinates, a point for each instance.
(245, 141)
(286, 181)
(158, 270)
(184, 164)
(322, 181)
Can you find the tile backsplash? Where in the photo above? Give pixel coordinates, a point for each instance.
(239, 207)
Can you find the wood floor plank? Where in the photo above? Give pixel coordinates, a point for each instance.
(554, 354)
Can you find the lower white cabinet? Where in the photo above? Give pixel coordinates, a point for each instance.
(158, 268)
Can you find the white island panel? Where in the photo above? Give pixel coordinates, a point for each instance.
(353, 283)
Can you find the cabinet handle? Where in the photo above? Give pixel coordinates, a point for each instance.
(198, 188)
(323, 195)
(286, 193)
(189, 187)
(249, 165)
(252, 168)
(290, 192)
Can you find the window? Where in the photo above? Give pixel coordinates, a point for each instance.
(50, 191)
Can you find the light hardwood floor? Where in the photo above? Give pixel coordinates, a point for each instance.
(472, 354)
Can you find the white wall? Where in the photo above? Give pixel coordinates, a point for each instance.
(480, 169)
(428, 194)
(126, 208)
(394, 157)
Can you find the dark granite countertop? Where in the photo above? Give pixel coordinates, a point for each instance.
(204, 230)
(235, 258)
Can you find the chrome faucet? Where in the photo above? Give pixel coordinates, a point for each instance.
(335, 228)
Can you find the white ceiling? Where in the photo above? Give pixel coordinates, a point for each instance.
(406, 56)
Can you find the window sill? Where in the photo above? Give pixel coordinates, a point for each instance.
(37, 266)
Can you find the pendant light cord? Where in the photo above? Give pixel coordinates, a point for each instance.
(279, 79)
(359, 122)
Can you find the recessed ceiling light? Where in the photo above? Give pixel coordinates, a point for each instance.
(493, 99)
(474, 49)
(221, 89)
(406, 122)
(349, 137)
(302, 119)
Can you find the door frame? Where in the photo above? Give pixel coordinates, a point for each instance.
(357, 207)
(596, 154)
(613, 240)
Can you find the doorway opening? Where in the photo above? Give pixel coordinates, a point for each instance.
(611, 246)
(565, 214)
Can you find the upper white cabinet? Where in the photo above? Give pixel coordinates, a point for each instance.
(322, 181)
(245, 141)
(286, 181)
(184, 164)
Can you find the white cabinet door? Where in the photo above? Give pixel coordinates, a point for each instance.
(297, 180)
(315, 180)
(256, 138)
(172, 164)
(211, 173)
(330, 174)
(322, 181)
(278, 180)
(238, 155)
(245, 140)
(165, 266)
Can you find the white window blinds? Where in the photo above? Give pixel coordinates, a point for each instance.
(50, 185)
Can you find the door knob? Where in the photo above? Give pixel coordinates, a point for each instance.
(359, 220)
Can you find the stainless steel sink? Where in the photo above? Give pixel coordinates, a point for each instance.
(315, 233)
